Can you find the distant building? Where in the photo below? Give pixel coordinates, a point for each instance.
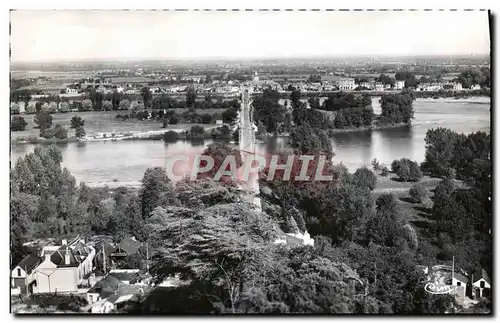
(399, 85)
(475, 87)
(346, 84)
(379, 87)
(255, 77)
(457, 86)
(71, 91)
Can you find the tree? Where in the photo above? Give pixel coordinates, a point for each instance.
(43, 119)
(154, 183)
(107, 105)
(52, 107)
(17, 123)
(229, 115)
(30, 108)
(60, 132)
(77, 121)
(124, 104)
(22, 207)
(418, 193)
(409, 78)
(79, 132)
(444, 188)
(365, 178)
(190, 96)
(439, 151)
(295, 97)
(385, 171)
(14, 108)
(415, 172)
(147, 96)
(64, 107)
(397, 108)
(385, 79)
(86, 105)
(170, 136)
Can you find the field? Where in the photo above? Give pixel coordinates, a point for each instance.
(416, 213)
(105, 121)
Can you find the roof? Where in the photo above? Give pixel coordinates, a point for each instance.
(58, 257)
(460, 277)
(125, 275)
(481, 273)
(129, 245)
(29, 263)
(81, 249)
(105, 287)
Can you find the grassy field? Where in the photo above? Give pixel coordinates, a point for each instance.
(416, 213)
(105, 121)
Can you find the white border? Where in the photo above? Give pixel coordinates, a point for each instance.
(185, 4)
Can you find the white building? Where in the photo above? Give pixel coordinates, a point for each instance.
(346, 84)
(22, 271)
(481, 283)
(475, 87)
(255, 77)
(457, 86)
(399, 85)
(460, 281)
(379, 87)
(71, 91)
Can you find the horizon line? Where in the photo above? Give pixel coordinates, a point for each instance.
(225, 58)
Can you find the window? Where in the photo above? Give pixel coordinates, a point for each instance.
(19, 272)
(459, 283)
(482, 284)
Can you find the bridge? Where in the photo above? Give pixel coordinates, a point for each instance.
(247, 144)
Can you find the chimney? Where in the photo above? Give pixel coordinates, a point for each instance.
(47, 256)
(64, 242)
(66, 256)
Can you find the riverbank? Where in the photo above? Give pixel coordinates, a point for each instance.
(474, 99)
(39, 140)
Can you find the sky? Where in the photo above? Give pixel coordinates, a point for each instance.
(39, 35)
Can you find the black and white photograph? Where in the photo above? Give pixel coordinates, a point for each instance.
(249, 162)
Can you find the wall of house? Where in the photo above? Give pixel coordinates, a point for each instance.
(14, 273)
(59, 280)
(92, 298)
(478, 283)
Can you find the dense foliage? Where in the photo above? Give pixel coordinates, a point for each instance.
(397, 108)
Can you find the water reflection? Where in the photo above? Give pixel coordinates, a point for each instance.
(126, 161)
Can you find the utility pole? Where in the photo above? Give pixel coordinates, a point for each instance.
(104, 258)
(453, 269)
(147, 256)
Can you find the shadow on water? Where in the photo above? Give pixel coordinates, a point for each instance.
(198, 142)
(394, 143)
(352, 148)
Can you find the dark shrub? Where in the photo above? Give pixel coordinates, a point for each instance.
(444, 188)
(170, 136)
(365, 178)
(17, 123)
(418, 193)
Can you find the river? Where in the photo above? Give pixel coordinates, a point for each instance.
(117, 163)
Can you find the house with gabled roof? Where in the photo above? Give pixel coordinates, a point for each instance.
(111, 294)
(461, 282)
(481, 283)
(58, 273)
(126, 247)
(23, 270)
